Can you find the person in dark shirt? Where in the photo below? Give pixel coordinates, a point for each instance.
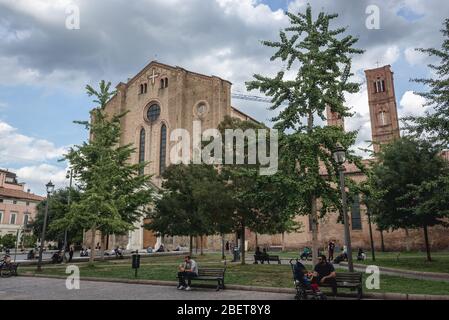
(258, 255)
(324, 272)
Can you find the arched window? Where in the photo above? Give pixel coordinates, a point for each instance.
(142, 150)
(145, 87)
(162, 83)
(166, 82)
(163, 150)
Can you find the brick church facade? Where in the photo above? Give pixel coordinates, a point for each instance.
(162, 98)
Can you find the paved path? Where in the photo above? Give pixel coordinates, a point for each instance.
(20, 288)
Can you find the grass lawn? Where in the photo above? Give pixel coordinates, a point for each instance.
(416, 261)
(165, 268)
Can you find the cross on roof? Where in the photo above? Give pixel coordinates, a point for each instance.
(153, 77)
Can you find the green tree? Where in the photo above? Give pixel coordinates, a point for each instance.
(435, 123)
(114, 195)
(58, 209)
(28, 240)
(193, 202)
(322, 57)
(8, 241)
(411, 183)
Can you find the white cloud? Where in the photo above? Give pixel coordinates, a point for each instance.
(18, 148)
(412, 105)
(36, 177)
(414, 57)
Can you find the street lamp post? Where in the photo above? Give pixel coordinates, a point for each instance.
(340, 157)
(68, 176)
(50, 188)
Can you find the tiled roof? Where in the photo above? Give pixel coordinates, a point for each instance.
(351, 168)
(18, 194)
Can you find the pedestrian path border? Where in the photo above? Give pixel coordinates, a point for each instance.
(374, 296)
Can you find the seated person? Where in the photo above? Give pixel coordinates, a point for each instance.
(7, 259)
(57, 257)
(31, 255)
(118, 253)
(187, 271)
(324, 273)
(306, 253)
(258, 256)
(161, 248)
(149, 250)
(361, 255)
(264, 255)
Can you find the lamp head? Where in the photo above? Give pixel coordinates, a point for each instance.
(50, 187)
(339, 154)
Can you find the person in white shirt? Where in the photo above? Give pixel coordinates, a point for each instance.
(187, 271)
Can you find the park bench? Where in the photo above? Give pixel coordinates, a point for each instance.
(267, 258)
(212, 274)
(349, 280)
(275, 248)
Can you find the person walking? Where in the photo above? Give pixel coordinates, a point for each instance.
(331, 249)
(71, 252)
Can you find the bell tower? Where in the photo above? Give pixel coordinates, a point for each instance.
(382, 105)
(334, 118)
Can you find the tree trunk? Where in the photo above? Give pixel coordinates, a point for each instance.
(107, 242)
(257, 240)
(92, 245)
(382, 243)
(407, 240)
(191, 246)
(426, 239)
(242, 246)
(315, 244)
(223, 247)
(102, 244)
(201, 245)
(283, 241)
(313, 207)
(196, 245)
(373, 254)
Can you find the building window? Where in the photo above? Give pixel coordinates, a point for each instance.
(379, 86)
(166, 82)
(142, 150)
(356, 219)
(14, 202)
(145, 87)
(163, 150)
(154, 111)
(1, 200)
(162, 83)
(12, 219)
(1, 217)
(26, 218)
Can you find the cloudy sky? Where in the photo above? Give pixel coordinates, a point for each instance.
(44, 66)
